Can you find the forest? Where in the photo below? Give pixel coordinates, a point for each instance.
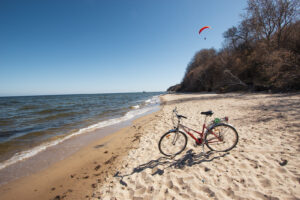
(261, 53)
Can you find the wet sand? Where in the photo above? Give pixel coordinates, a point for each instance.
(76, 176)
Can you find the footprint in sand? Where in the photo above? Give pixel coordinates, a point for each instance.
(140, 191)
(266, 183)
(97, 167)
(208, 191)
(180, 181)
(229, 192)
(281, 170)
(169, 184)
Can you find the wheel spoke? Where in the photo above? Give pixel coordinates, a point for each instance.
(222, 138)
(172, 143)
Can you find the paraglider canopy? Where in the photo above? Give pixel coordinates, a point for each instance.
(204, 27)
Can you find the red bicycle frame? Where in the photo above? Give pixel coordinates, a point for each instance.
(201, 139)
(201, 134)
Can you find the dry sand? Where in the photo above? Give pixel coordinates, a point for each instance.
(264, 165)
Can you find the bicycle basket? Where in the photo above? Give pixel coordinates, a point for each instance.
(218, 120)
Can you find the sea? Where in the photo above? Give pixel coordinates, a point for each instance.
(31, 124)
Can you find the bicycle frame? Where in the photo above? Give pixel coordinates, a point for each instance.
(187, 130)
(213, 132)
(201, 134)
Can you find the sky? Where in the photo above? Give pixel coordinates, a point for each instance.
(97, 46)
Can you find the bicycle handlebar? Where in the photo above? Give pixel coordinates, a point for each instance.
(178, 116)
(181, 116)
(175, 110)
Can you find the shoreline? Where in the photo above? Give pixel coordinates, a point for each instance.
(35, 127)
(76, 175)
(128, 165)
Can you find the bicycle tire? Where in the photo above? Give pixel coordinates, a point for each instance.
(212, 145)
(168, 137)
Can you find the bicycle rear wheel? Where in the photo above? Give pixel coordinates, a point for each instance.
(172, 143)
(221, 137)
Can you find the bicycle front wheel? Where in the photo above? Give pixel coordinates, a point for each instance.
(172, 143)
(221, 137)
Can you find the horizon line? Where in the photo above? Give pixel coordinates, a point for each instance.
(29, 95)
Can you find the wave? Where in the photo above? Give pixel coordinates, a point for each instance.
(6, 122)
(14, 132)
(135, 107)
(8, 103)
(49, 111)
(152, 101)
(61, 115)
(58, 116)
(32, 152)
(29, 107)
(149, 102)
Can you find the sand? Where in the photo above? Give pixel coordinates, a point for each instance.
(264, 164)
(128, 164)
(77, 176)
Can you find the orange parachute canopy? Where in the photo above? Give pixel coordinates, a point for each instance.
(204, 27)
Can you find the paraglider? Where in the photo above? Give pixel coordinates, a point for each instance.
(204, 27)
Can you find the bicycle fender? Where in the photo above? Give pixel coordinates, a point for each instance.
(214, 125)
(217, 124)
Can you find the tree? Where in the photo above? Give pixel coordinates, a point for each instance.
(231, 37)
(201, 58)
(287, 12)
(239, 37)
(271, 17)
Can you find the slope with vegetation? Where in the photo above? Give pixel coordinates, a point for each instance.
(261, 53)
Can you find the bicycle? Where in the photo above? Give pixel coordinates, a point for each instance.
(216, 136)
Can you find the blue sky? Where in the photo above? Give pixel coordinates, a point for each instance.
(95, 46)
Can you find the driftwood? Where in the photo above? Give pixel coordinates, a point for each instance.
(232, 79)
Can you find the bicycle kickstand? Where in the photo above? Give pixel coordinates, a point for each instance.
(203, 148)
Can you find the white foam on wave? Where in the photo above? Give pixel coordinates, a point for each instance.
(149, 102)
(153, 100)
(135, 107)
(32, 152)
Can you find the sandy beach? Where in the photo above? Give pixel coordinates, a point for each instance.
(77, 176)
(128, 164)
(264, 165)
(150, 100)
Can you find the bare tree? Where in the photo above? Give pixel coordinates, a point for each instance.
(286, 12)
(271, 17)
(261, 14)
(231, 37)
(245, 32)
(240, 37)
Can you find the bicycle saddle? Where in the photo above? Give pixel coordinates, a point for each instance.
(210, 113)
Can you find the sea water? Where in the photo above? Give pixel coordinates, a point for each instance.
(31, 124)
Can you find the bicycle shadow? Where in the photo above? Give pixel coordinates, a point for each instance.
(188, 159)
